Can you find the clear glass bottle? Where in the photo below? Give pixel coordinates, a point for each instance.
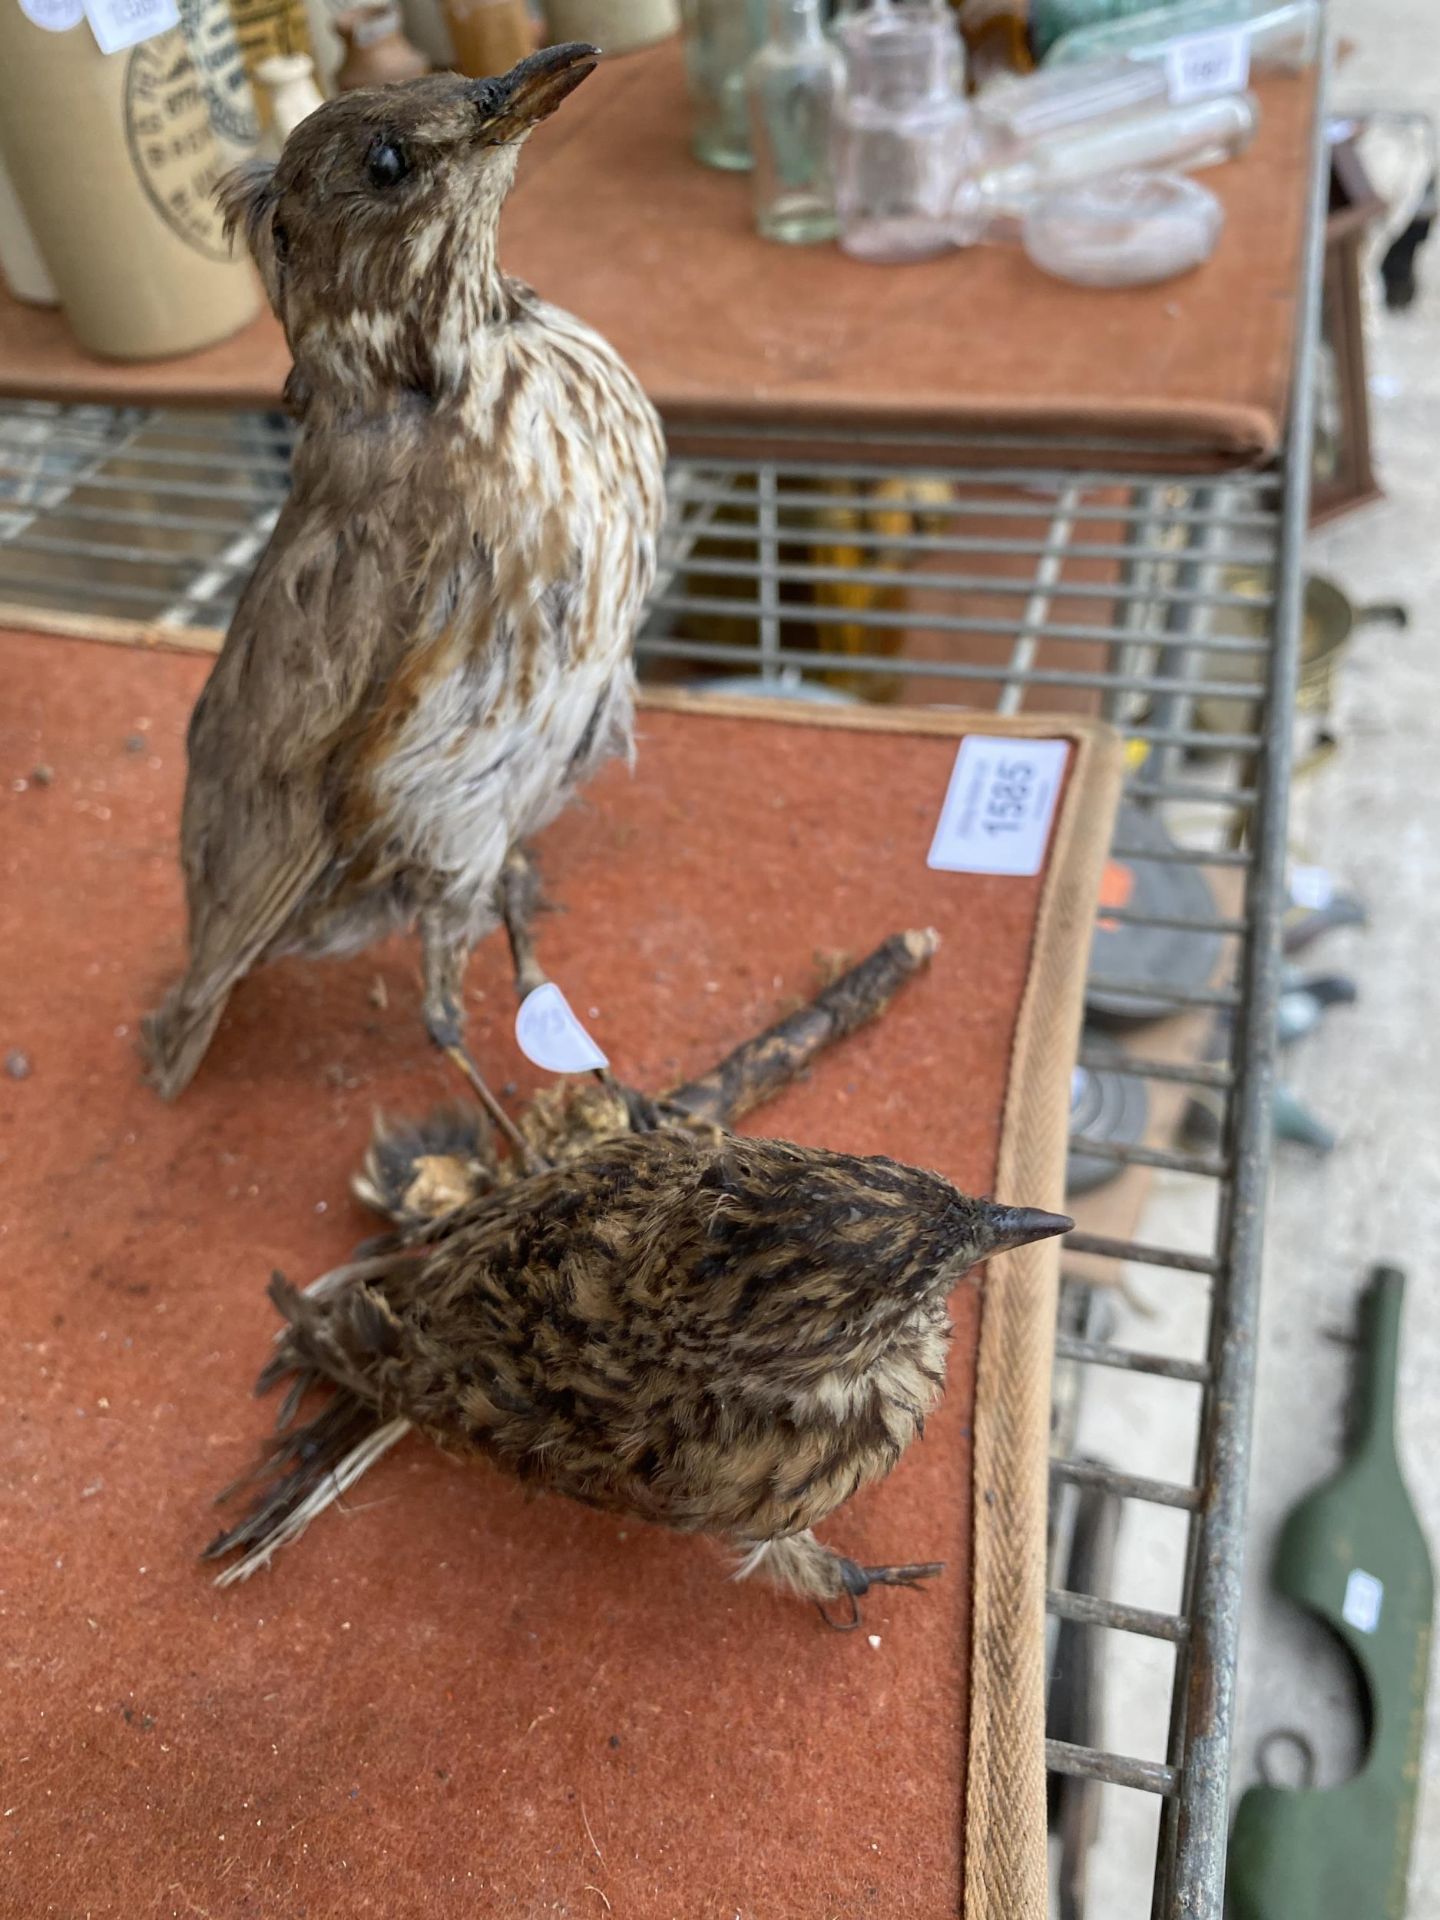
(794, 82)
(904, 136)
(994, 201)
(844, 12)
(719, 36)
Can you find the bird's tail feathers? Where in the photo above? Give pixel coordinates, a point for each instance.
(177, 1035)
(339, 1330)
(305, 1471)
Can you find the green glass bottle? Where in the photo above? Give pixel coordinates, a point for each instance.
(794, 82)
(719, 37)
(1353, 1554)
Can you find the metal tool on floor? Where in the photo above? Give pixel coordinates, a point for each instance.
(1316, 906)
(1305, 998)
(1293, 1120)
(1305, 921)
(1106, 1104)
(1352, 1553)
(1075, 1703)
(1155, 934)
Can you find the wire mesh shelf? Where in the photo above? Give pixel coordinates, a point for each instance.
(1011, 576)
(1152, 600)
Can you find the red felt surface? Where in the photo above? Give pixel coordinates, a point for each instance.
(446, 1699)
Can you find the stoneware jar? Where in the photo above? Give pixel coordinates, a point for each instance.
(615, 26)
(489, 36)
(22, 265)
(265, 28)
(114, 161)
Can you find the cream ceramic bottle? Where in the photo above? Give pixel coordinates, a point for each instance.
(616, 26)
(114, 161)
(22, 265)
(209, 29)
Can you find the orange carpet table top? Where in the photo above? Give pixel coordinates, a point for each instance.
(448, 1698)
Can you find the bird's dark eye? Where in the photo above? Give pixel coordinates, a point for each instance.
(488, 98)
(386, 164)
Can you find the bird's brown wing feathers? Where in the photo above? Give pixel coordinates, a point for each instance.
(772, 1255)
(316, 644)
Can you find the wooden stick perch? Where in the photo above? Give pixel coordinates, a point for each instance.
(758, 1069)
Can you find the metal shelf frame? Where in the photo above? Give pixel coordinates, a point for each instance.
(157, 516)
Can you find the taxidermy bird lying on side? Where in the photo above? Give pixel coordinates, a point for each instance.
(720, 1335)
(434, 648)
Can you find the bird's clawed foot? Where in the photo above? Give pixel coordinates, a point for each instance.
(444, 1028)
(858, 1580)
(641, 1111)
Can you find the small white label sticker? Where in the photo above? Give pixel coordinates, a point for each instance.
(1364, 1597)
(549, 1034)
(118, 24)
(997, 812)
(1202, 64)
(55, 16)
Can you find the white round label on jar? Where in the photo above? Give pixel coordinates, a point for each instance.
(55, 16)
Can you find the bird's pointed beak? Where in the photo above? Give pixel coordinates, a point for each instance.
(1007, 1227)
(531, 91)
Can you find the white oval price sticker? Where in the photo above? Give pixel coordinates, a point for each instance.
(549, 1034)
(55, 16)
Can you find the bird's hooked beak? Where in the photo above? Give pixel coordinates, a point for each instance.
(1007, 1227)
(511, 104)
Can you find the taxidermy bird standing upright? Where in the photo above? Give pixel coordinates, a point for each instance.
(434, 648)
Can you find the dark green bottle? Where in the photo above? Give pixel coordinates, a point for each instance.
(1352, 1552)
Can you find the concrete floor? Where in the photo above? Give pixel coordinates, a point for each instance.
(1372, 816)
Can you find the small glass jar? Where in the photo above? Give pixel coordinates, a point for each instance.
(904, 136)
(719, 37)
(794, 83)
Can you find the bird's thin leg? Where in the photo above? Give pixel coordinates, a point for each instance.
(518, 897)
(519, 901)
(444, 956)
(460, 1057)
